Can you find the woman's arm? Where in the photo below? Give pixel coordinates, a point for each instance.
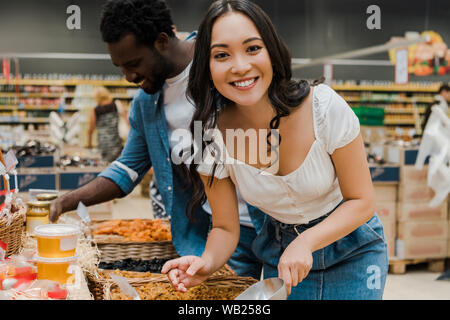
(222, 240)
(356, 186)
(353, 173)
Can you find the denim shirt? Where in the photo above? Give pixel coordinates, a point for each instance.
(148, 145)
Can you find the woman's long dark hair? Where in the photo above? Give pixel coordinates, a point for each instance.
(284, 93)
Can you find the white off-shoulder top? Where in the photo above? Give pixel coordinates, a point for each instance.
(311, 190)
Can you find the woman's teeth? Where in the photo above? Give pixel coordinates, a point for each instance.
(244, 83)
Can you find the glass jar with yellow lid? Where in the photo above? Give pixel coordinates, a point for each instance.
(46, 196)
(37, 214)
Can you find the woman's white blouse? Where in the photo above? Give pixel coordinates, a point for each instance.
(311, 190)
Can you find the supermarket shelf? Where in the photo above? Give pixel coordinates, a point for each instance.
(405, 100)
(25, 121)
(35, 108)
(58, 95)
(399, 122)
(42, 82)
(408, 88)
(403, 110)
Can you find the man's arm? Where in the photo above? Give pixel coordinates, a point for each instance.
(119, 179)
(97, 191)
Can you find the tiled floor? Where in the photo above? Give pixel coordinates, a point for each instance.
(416, 284)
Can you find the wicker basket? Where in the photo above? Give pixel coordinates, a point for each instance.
(234, 283)
(97, 283)
(12, 227)
(114, 248)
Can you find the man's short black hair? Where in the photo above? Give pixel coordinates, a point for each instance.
(444, 87)
(143, 18)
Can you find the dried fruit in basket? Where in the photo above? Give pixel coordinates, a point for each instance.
(136, 230)
(165, 291)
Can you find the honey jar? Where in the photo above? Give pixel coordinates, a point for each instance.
(56, 240)
(46, 196)
(55, 269)
(37, 214)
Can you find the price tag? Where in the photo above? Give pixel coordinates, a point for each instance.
(2, 169)
(10, 161)
(401, 67)
(328, 73)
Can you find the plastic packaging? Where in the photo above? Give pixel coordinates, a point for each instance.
(57, 240)
(55, 269)
(37, 214)
(436, 144)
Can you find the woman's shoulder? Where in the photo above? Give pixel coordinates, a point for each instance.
(334, 119)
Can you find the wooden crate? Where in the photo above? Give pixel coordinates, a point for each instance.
(398, 266)
(385, 192)
(410, 175)
(426, 229)
(386, 210)
(421, 249)
(415, 193)
(420, 211)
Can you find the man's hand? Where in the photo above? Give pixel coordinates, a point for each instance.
(55, 210)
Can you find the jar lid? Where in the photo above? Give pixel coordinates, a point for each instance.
(38, 204)
(56, 230)
(46, 196)
(37, 258)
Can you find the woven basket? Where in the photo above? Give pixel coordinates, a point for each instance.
(12, 227)
(234, 283)
(97, 283)
(114, 248)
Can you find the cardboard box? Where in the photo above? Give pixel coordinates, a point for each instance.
(386, 210)
(420, 211)
(391, 248)
(423, 248)
(390, 228)
(425, 229)
(410, 175)
(414, 193)
(385, 192)
(402, 156)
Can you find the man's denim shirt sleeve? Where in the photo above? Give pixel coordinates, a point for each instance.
(134, 162)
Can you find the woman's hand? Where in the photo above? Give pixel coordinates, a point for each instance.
(295, 263)
(187, 271)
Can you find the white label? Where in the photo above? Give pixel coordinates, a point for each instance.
(33, 223)
(328, 73)
(66, 244)
(10, 161)
(401, 67)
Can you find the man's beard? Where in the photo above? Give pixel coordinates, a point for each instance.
(166, 68)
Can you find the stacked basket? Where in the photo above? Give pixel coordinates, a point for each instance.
(116, 248)
(12, 220)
